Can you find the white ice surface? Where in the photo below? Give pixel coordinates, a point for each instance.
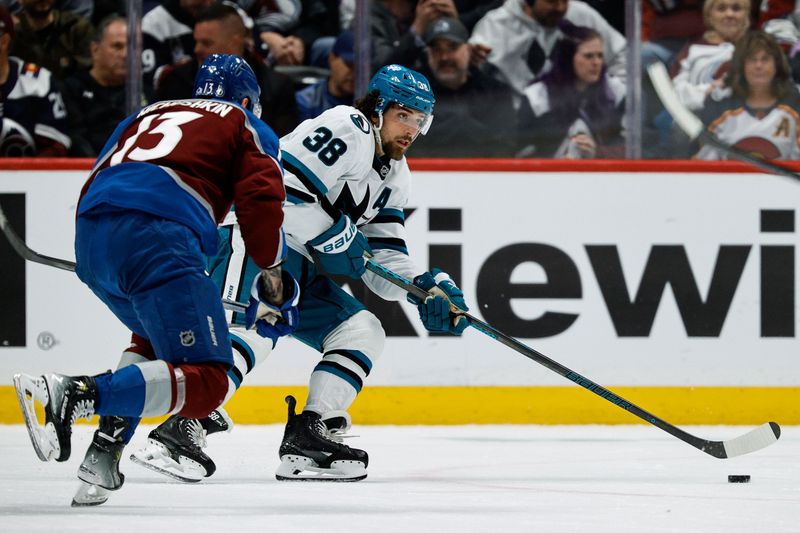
(440, 479)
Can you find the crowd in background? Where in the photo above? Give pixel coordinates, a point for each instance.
(512, 78)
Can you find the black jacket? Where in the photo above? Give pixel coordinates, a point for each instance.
(93, 111)
(477, 120)
(279, 109)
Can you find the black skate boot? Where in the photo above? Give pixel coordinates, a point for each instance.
(65, 399)
(309, 453)
(99, 472)
(175, 447)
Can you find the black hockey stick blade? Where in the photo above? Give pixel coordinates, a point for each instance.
(28, 254)
(751, 441)
(694, 128)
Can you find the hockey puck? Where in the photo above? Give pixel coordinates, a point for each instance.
(739, 479)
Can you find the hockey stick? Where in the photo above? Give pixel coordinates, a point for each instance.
(26, 253)
(751, 441)
(694, 128)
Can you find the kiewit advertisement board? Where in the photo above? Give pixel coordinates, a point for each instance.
(643, 276)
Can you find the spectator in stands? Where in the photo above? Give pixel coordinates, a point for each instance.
(274, 23)
(471, 11)
(702, 64)
(474, 112)
(575, 110)
(667, 26)
(56, 40)
(759, 111)
(320, 24)
(33, 120)
(768, 10)
(398, 27)
(613, 11)
(781, 19)
(95, 98)
(698, 70)
(522, 34)
(167, 37)
(338, 89)
(220, 29)
(94, 10)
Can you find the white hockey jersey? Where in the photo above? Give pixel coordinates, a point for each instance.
(771, 134)
(510, 32)
(330, 167)
(703, 64)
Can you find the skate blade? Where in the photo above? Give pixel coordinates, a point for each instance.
(43, 437)
(89, 495)
(155, 457)
(299, 468)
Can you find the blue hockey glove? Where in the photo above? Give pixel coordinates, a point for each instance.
(273, 321)
(342, 248)
(434, 311)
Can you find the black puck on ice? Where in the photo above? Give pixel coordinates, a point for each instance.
(739, 479)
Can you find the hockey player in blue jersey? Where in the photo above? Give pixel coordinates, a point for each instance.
(346, 183)
(146, 221)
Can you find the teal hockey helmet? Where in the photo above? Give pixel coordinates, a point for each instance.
(408, 88)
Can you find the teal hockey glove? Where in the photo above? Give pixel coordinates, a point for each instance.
(342, 249)
(436, 311)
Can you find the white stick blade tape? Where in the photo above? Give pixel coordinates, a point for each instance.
(686, 120)
(761, 437)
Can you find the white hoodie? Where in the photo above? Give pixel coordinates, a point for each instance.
(509, 31)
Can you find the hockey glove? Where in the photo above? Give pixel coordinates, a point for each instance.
(273, 321)
(342, 248)
(435, 311)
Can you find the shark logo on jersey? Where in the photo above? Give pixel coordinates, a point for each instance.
(347, 204)
(360, 123)
(187, 338)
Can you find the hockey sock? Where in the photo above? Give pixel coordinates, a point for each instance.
(156, 388)
(249, 349)
(139, 351)
(350, 351)
(204, 389)
(336, 380)
(141, 389)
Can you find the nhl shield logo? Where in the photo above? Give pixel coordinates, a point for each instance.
(187, 338)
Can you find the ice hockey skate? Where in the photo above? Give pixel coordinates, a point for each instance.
(99, 472)
(310, 451)
(174, 448)
(65, 399)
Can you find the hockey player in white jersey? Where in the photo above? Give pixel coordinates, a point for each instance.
(347, 182)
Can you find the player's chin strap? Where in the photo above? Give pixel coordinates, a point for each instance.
(756, 439)
(376, 132)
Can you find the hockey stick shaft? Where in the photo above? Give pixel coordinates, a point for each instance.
(694, 128)
(714, 448)
(28, 254)
(23, 251)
